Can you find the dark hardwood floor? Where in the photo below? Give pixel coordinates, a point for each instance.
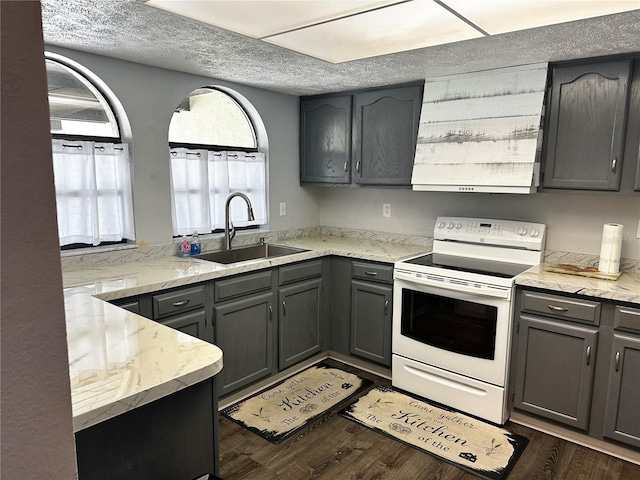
(336, 448)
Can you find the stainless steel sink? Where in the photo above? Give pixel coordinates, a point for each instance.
(252, 252)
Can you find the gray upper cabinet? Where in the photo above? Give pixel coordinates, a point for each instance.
(325, 140)
(554, 371)
(385, 131)
(587, 119)
(360, 138)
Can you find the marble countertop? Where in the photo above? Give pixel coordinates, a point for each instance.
(625, 289)
(119, 360)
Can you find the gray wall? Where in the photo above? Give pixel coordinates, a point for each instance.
(574, 220)
(149, 96)
(37, 434)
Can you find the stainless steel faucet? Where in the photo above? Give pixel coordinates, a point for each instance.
(229, 233)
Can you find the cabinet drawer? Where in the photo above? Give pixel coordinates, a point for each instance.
(242, 285)
(373, 272)
(627, 318)
(574, 309)
(167, 304)
(299, 271)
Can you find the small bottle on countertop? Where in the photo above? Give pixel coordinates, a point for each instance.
(195, 244)
(185, 246)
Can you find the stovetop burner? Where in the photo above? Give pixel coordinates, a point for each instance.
(471, 265)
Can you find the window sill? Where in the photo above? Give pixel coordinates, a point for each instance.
(88, 250)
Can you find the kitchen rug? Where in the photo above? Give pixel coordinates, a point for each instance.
(280, 411)
(480, 448)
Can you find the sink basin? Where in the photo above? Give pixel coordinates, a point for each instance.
(252, 252)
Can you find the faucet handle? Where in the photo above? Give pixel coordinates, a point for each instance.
(232, 232)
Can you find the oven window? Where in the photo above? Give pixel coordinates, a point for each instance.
(454, 325)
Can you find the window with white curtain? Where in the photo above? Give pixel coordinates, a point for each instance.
(92, 167)
(213, 154)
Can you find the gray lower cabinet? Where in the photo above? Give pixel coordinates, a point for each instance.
(555, 367)
(587, 118)
(192, 323)
(622, 418)
(300, 294)
(244, 330)
(300, 317)
(371, 297)
(140, 305)
(371, 321)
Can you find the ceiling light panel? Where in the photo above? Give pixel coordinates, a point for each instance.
(261, 18)
(396, 28)
(501, 16)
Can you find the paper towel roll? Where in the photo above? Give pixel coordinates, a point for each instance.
(611, 248)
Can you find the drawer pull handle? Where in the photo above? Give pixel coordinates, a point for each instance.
(629, 312)
(557, 309)
(284, 308)
(181, 303)
(386, 307)
(358, 166)
(588, 355)
(373, 274)
(345, 167)
(614, 164)
(617, 363)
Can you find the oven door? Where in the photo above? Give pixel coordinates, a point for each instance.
(465, 333)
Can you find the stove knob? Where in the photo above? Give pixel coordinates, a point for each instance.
(534, 233)
(450, 225)
(522, 232)
(458, 226)
(441, 225)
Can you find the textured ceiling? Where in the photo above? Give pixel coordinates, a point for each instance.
(130, 30)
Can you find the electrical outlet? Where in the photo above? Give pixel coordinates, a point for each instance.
(638, 232)
(283, 209)
(386, 210)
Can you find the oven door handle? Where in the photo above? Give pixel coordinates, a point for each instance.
(486, 291)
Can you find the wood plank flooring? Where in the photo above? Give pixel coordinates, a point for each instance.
(335, 448)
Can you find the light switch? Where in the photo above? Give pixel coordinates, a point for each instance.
(283, 209)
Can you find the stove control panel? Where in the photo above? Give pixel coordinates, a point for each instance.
(509, 233)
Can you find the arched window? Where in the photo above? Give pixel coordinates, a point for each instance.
(214, 152)
(91, 164)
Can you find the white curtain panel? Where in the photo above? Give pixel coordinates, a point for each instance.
(201, 184)
(93, 192)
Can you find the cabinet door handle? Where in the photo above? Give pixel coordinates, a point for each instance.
(181, 303)
(358, 166)
(372, 274)
(386, 307)
(558, 309)
(617, 362)
(588, 355)
(614, 164)
(284, 308)
(345, 167)
(270, 312)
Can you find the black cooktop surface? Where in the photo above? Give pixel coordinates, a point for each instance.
(472, 265)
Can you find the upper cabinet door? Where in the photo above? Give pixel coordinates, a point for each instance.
(586, 130)
(385, 131)
(325, 140)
